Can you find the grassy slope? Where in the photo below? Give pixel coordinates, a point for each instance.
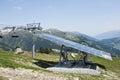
(8, 59)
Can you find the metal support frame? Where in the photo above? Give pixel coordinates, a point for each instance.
(84, 58)
(63, 54)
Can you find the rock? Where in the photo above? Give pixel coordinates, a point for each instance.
(18, 50)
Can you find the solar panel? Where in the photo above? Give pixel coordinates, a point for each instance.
(75, 45)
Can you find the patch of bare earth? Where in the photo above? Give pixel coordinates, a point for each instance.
(27, 74)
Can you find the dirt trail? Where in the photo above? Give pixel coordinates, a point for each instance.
(27, 74)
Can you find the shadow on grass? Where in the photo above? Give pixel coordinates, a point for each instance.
(100, 65)
(44, 63)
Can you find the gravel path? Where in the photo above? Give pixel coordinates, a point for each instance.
(27, 74)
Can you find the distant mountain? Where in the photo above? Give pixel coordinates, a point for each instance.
(86, 36)
(111, 38)
(108, 35)
(114, 42)
(25, 41)
(62, 34)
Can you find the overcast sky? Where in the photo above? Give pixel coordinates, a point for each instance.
(89, 17)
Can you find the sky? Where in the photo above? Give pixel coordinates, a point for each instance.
(90, 17)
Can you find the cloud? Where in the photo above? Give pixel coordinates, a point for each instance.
(18, 8)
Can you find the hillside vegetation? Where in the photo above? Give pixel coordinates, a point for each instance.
(42, 61)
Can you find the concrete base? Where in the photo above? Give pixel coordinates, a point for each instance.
(78, 67)
(75, 70)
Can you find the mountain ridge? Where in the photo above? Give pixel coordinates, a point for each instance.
(108, 35)
(113, 42)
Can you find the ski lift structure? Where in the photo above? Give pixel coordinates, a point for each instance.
(11, 31)
(32, 27)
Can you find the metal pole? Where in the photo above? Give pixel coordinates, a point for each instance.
(33, 47)
(33, 51)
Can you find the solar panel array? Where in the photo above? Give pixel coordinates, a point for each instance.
(75, 45)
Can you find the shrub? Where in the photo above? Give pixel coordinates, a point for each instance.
(45, 50)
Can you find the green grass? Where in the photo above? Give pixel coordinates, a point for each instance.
(113, 65)
(9, 59)
(110, 66)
